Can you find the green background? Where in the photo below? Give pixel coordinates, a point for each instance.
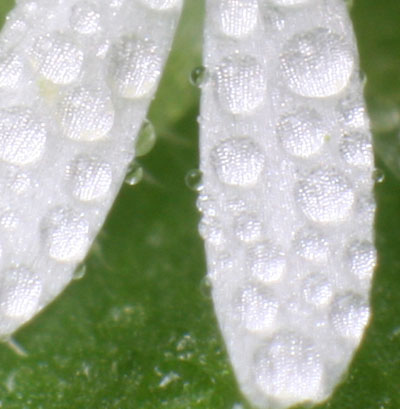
(138, 330)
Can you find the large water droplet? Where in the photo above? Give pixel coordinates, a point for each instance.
(317, 63)
(241, 84)
(325, 196)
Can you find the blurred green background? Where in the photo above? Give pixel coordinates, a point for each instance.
(138, 330)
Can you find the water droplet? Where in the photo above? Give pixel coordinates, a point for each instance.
(238, 161)
(146, 139)
(22, 137)
(205, 287)
(256, 308)
(79, 272)
(317, 289)
(134, 174)
(238, 18)
(325, 196)
(289, 367)
(210, 229)
(378, 175)
(311, 245)
(86, 114)
(20, 291)
(247, 227)
(267, 263)
(89, 178)
(85, 18)
(11, 68)
(356, 149)
(194, 180)
(135, 66)
(302, 133)
(198, 76)
(349, 315)
(361, 257)
(57, 58)
(241, 84)
(66, 234)
(161, 4)
(317, 63)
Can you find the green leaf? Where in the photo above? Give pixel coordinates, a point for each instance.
(138, 330)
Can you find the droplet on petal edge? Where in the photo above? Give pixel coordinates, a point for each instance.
(63, 145)
(284, 173)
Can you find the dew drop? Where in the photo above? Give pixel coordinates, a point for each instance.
(134, 174)
(378, 175)
(194, 180)
(317, 63)
(22, 137)
(11, 68)
(85, 18)
(356, 149)
(161, 4)
(86, 114)
(135, 67)
(57, 59)
(198, 76)
(210, 229)
(361, 257)
(241, 84)
(311, 245)
(247, 227)
(289, 369)
(89, 178)
(238, 18)
(20, 292)
(349, 315)
(79, 272)
(146, 139)
(238, 161)
(267, 263)
(302, 133)
(256, 308)
(66, 235)
(325, 196)
(317, 289)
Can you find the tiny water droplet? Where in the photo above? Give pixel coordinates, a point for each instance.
(205, 287)
(134, 175)
(378, 175)
(146, 139)
(194, 180)
(198, 76)
(80, 271)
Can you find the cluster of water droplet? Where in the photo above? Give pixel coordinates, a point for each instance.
(76, 78)
(286, 193)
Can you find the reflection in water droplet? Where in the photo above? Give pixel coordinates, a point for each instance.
(194, 180)
(134, 175)
(146, 139)
(79, 272)
(198, 76)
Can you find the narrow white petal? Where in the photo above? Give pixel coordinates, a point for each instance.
(76, 79)
(287, 194)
